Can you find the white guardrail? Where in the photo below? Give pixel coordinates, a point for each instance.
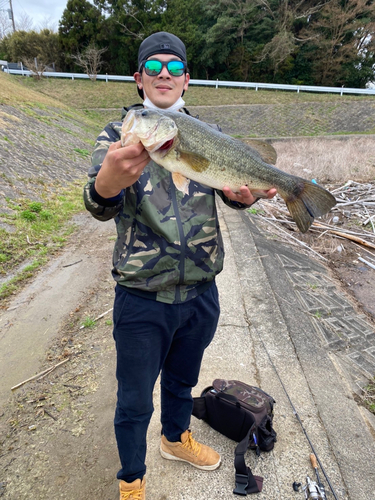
(212, 83)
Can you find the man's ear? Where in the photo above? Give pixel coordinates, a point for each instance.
(138, 78)
(187, 79)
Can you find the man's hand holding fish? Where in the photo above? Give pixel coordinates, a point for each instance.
(121, 168)
(245, 196)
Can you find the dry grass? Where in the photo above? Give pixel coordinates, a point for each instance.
(12, 92)
(328, 160)
(100, 94)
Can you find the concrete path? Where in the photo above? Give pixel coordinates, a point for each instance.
(270, 296)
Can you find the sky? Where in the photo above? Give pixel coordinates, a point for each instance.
(38, 10)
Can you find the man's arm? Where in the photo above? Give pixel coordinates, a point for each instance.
(114, 168)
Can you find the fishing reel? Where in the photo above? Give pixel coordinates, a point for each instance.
(312, 490)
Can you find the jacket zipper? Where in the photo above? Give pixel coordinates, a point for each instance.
(181, 266)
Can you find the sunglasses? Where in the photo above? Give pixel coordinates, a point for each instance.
(153, 67)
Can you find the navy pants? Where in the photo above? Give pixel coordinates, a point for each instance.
(153, 337)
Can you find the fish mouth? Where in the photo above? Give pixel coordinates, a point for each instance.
(163, 145)
(167, 145)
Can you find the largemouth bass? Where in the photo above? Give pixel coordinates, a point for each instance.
(191, 149)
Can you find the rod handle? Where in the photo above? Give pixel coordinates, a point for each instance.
(313, 460)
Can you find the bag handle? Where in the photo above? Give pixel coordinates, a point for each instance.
(228, 397)
(246, 482)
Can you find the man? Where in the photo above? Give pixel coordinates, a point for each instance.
(167, 254)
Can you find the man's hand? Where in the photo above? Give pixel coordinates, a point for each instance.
(122, 166)
(246, 196)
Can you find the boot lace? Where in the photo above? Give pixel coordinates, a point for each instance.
(192, 445)
(131, 495)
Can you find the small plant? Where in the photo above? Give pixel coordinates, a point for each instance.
(35, 206)
(369, 396)
(28, 215)
(318, 314)
(46, 215)
(254, 211)
(3, 257)
(88, 322)
(82, 152)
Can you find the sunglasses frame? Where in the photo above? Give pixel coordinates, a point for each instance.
(164, 64)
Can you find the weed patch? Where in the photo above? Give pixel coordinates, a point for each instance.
(83, 152)
(40, 229)
(369, 396)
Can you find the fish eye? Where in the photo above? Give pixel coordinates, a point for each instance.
(144, 113)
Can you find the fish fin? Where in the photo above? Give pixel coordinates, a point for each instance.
(265, 150)
(181, 182)
(194, 161)
(308, 201)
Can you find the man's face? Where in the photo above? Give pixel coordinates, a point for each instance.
(163, 90)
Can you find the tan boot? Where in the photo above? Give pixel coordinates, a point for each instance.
(133, 491)
(188, 450)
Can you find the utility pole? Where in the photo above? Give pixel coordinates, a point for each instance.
(11, 15)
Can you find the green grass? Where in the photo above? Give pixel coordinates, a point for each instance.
(369, 396)
(40, 228)
(255, 211)
(83, 152)
(88, 322)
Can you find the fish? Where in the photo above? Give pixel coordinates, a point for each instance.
(192, 149)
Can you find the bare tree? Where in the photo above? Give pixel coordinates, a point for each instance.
(48, 23)
(343, 35)
(24, 22)
(284, 42)
(133, 12)
(5, 24)
(90, 60)
(37, 67)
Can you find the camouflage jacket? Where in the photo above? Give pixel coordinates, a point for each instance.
(169, 246)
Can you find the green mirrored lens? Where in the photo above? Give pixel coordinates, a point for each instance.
(153, 67)
(175, 68)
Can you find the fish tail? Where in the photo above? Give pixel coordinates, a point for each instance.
(307, 201)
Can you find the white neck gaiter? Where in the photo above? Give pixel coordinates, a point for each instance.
(175, 107)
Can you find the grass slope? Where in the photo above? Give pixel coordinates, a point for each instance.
(44, 156)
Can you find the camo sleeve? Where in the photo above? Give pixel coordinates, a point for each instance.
(101, 208)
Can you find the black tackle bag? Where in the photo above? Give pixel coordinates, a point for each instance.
(243, 413)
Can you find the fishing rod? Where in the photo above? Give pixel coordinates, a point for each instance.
(315, 467)
(296, 413)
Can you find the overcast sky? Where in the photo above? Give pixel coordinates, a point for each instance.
(38, 10)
